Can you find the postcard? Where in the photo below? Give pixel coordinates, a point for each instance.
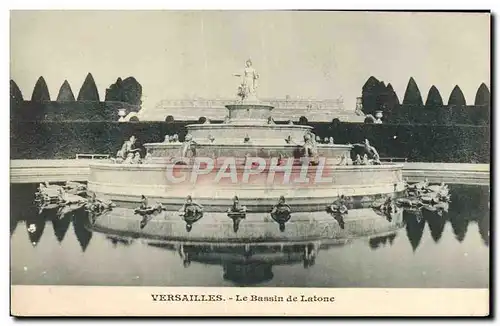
(250, 163)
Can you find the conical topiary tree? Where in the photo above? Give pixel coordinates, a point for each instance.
(434, 98)
(392, 97)
(481, 114)
(41, 91)
(457, 98)
(16, 100)
(382, 95)
(88, 92)
(457, 106)
(369, 95)
(482, 95)
(15, 92)
(433, 108)
(391, 103)
(412, 94)
(65, 93)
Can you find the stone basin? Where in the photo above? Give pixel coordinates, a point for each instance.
(247, 132)
(249, 112)
(162, 152)
(261, 134)
(125, 183)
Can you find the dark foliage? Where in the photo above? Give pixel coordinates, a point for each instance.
(457, 97)
(418, 143)
(369, 119)
(15, 92)
(16, 99)
(303, 120)
(41, 91)
(482, 95)
(127, 91)
(71, 111)
(88, 92)
(391, 103)
(434, 98)
(65, 93)
(412, 94)
(375, 95)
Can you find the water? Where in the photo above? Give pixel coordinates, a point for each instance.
(449, 251)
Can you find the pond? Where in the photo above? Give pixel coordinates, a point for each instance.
(448, 251)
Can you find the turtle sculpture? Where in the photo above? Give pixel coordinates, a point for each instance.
(236, 212)
(281, 213)
(191, 212)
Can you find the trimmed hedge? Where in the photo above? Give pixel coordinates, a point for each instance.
(418, 143)
(28, 111)
(62, 140)
(478, 115)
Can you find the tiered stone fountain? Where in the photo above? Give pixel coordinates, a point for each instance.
(247, 139)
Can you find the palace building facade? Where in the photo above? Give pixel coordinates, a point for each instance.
(284, 109)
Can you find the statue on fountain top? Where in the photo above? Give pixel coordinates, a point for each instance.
(246, 90)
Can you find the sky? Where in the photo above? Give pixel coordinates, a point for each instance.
(181, 54)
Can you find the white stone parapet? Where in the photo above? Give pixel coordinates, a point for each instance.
(313, 110)
(34, 171)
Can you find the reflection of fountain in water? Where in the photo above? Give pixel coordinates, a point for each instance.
(376, 242)
(244, 264)
(115, 241)
(469, 204)
(23, 209)
(248, 274)
(168, 246)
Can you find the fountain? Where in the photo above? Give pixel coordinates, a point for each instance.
(251, 158)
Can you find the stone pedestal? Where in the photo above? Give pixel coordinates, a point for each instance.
(249, 113)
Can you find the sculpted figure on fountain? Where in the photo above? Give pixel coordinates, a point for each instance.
(129, 159)
(281, 213)
(191, 212)
(127, 147)
(309, 149)
(246, 90)
(188, 148)
(236, 207)
(371, 151)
